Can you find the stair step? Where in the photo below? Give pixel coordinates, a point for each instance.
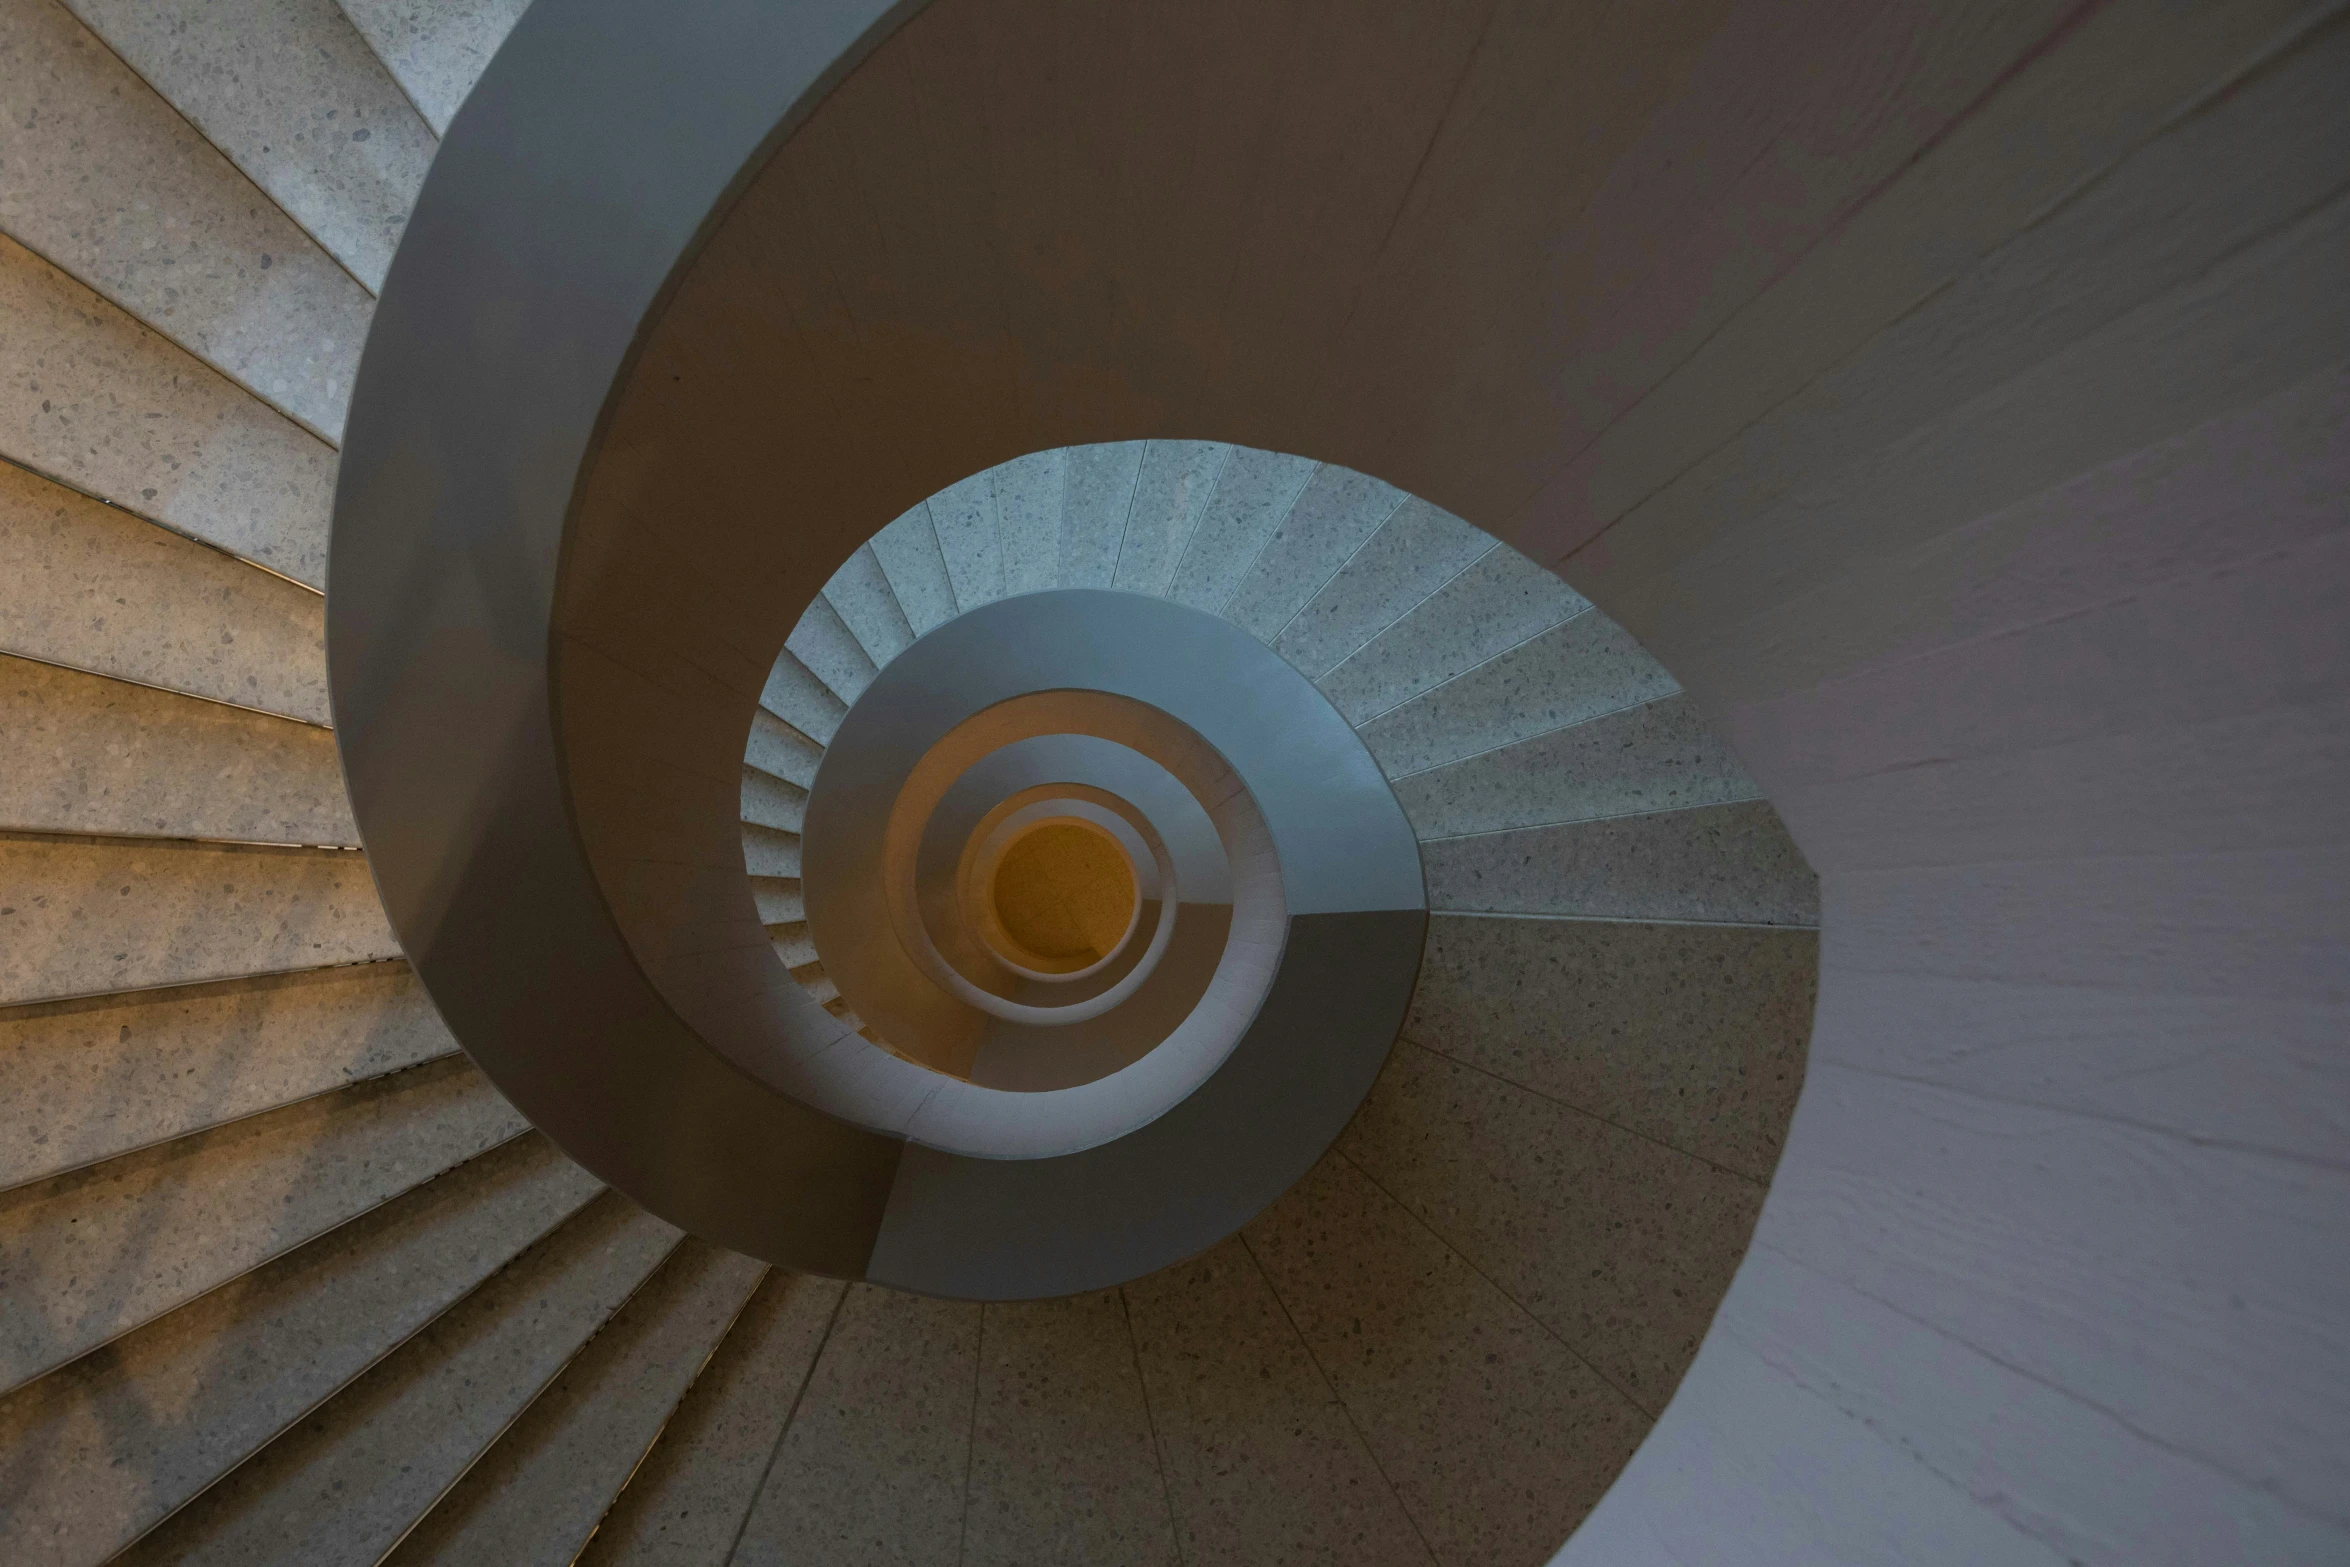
(1658, 756)
(92, 916)
(291, 92)
(794, 695)
(1254, 494)
(779, 899)
(1497, 603)
(963, 517)
(108, 182)
(436, 49)
(118, 412)
(861, 595)
(106, 1447)
(535, 1498)
(792, 944)
(343, 1486)
(91, 755)
(827, 649)
(1099, 492)
(95, 588)
(1338, 513)
(917, 572)
(780, 751)
(1732, 863)
(94, 1253)
(1028, 495)
(688, 1500)
(768, 801)
(1416, 551)
(82, 1081)
(771, 854)
(1170, 492)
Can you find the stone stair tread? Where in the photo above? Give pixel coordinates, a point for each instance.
(106, 1447)
(1416, 550)
(768, 801)
(829, 650)
(1338, 512)
(1171, 490)
(1028, 498)
(962, 517)
(1496, 603)
(1095, 499)
(435, 49)
(780, 751)
(860, 593)
(769, 854)
(95, 1252)
(1254, 494)
(803, 702)
(909, 555)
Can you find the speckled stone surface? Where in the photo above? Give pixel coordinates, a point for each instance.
(780, 751)
(436, 48)
(1028, 510)
(94, 755)
(1093, 511)
(1620, 1245)
(108, 182)
(535, 1498)
(771, 802)
(1573, 672)
(1485, 611)
(1416, 551)
(1336, 514)
(963, 517)
(1170, 493)
(769, 853)
(92, 587)
(292, 93)
(1694, 1035)
(86, 916)
(829, 650)
(917, 572)
(1253, 497)
(338, 1489)
(695, 1489)
(861, 595)
(103, 1448)
(872, 1467)
(1263, 1462)
(1660, 755)
(95, 399)
(92, 1253)
(779, 899)
(86, 1080)
(795, 695)
(1064, 1470)
(1717, 862)
(1497, 1438)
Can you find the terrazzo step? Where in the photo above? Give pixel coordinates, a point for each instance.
(825, 647)
(908, 553)
(109, 182)
(536, 1497)
(297, 100)
(105, 1448)
(93, 916)
(860, 593)
(94, 588)
(962, 518)
(1027, 492)
(688, 1501)
(95, 1252)
(802, 702)
(1500, 601)
(436, 49)
(780, 751)
(1336, 515)
(107, 407)
(792, 943)
(1253, 494)
(770, 855)
(91, 755)
(768, 801)
(779, 899)
(1171, 490)
(1414, 552)
(347, 1482)
(84, 1081)
(1096, 495)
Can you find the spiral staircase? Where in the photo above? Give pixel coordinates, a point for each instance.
(284, 1276)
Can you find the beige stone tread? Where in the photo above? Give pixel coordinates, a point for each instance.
(689, 1499)
(1501, 600)
(82, 1081)
(95, 1252)
(779, 899)
(769, 854)
(780, 751)
(295, 97)
(436, 48)
(768, 801)
(1727, 864)
(91, 916)
(108, 181)
(106, 1447)
(1417, 549)
(346, 1483)
(96, 401)
(90, 586)
(88, 754)
(535, 1498)
(1497, 1438)
(792, 943)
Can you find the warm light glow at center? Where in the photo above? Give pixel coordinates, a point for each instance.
(1064, 891)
